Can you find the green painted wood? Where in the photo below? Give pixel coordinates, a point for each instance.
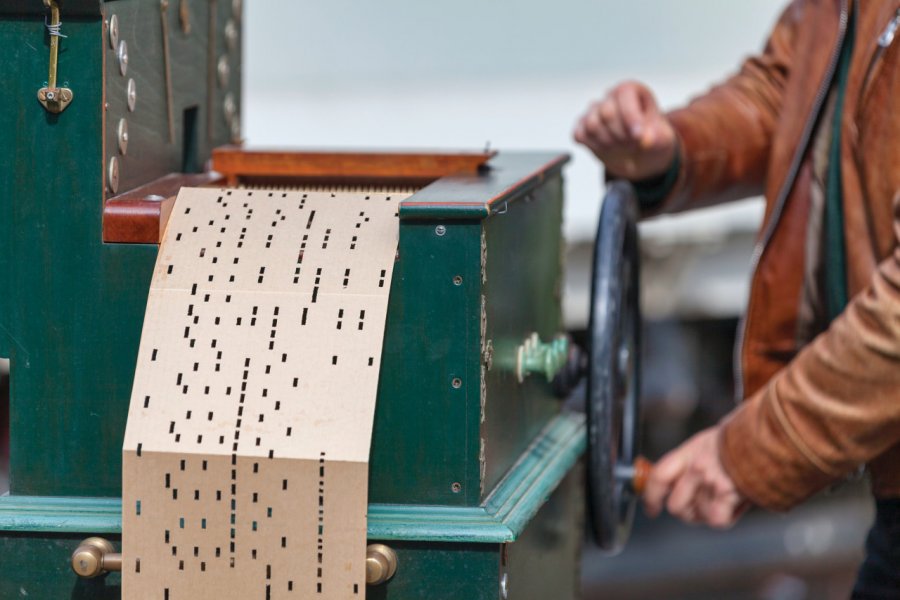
(442, 572)
(74, 307)
(502, 518)
(426, 432)
(38, 567)
(509, 177)
(523, 295)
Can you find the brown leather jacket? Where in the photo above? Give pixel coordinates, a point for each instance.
(815, 410)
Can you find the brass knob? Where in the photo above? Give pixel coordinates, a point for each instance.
(381, 564)
(95, 557)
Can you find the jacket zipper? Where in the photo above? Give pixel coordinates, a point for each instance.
(884, 42)
(783, 193)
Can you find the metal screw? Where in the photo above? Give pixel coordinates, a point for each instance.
(231, 35)
(456, 487)
(113, 175)
(132, 94)
(457, 280)
(122, 55)
(113, 32)
(224, 71)
(123, 136)
(440, 230)
(456, 383)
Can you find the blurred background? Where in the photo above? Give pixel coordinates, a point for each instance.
(516, 75)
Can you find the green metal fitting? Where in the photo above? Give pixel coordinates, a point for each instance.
(547, 358)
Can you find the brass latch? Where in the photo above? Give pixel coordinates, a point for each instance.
(95, 557)
(55, 99)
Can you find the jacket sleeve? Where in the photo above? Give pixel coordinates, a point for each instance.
(725, 135)
(832, 409)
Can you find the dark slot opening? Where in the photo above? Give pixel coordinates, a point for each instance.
(190, 152)
(4, 426)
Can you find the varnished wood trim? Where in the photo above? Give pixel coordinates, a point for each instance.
(140, 215)
(235, 163)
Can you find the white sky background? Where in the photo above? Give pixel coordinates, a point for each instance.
(517, 74)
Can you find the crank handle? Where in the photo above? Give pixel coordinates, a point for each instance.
(635, 476)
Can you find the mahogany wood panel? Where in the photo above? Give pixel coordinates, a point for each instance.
(140, 215)
(235, 163)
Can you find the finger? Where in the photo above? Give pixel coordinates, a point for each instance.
(661, 480)
(684, 496)
(612, 120)
(633, 110)
(721, 512)
(656, 134)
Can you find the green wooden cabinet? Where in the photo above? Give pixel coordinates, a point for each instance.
(472, 471)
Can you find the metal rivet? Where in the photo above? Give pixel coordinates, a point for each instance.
(113, 175)
(231, 35)
(457, 280)
(122, 56)
(456, 487)
(230, 107)
(123, 136)
(132, 94)
(440, 230)
(456, 383)
(113, 31)
(224, 71)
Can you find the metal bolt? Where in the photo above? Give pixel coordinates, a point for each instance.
(231, 35)
(457, 280)
(456, 487)
(132, 94)
(113, 175)
(122, 55)
(230, 107)
(224, 71)
(456, 383)
(123, 136)
(440, 230)
(113, 32)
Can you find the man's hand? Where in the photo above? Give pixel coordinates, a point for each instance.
(628, 133)
(696, 485)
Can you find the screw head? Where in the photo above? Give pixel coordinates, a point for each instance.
(132, 95)
(456, 487)
(231, 35)
(123, 136)
(113, 175)
(122, 55)
(440, 230)
(113, 31)
(457, 280)
(456, 383)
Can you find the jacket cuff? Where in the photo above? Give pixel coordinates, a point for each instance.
(765, 457)
(653, 191)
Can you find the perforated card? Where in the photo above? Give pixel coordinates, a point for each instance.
(247, 444)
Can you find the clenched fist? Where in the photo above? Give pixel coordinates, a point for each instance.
(628, 133)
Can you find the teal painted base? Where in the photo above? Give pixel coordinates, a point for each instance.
(445, 552)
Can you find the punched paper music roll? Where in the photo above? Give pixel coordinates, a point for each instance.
(247, 444)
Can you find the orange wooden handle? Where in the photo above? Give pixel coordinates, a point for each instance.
(642, 468)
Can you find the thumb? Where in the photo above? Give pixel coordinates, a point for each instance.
(658, 134)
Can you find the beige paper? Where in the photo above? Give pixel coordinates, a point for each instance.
(247, 444)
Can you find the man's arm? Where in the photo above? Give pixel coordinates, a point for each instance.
(835, 407)
(722, 139)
